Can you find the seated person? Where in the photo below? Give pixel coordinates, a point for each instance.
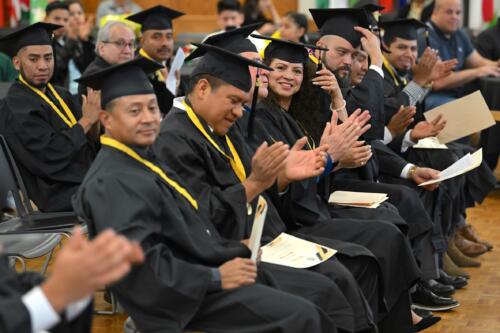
(255, 11)
(62, 303)
(157, 43)
(359, 67)
(229, 14)
(115, 44)
(293, 27)
(49, 133)
(192, 277)
(446, 36)
(73, 48)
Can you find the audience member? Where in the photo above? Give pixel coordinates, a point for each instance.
(73, 48)
(52, 136)
(229, 14)
(157, 43)
(452, 42)
(115, 44)
(293, 27)
(359, 67)
(62, 302)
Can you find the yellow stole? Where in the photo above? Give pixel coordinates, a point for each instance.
(390, 69)
(107, 141)
(67, 116)
(147, 56)
(234, 160)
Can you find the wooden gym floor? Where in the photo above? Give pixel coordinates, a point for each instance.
(480, 300)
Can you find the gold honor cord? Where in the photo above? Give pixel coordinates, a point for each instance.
(69, 118)
(235, 161)
(147, 56)
(391, 72)
(105, 140)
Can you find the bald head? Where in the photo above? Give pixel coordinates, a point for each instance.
(447, 15)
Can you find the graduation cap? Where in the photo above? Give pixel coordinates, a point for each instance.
(401, 28)
(158, 18)
(341, 22)
(125, 79)
(234, 40)
(371, 10)
(227, 66)
(36, 34)
(287, 50)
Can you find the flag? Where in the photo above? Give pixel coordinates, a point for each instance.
(2, 13)
(387, 4)
(18, 11)
(480, 13)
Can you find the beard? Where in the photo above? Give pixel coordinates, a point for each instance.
(40, 85)
(344, 82)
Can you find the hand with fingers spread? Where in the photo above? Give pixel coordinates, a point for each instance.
(356, 156)
(237, 273)
(420, 175)
(422, 71)
(371, 44)
(83, 266)
(85, 29)
(401, 120)
(424, 129)
(267, 163)
(442, 69)
(302, 164)
(91, 107)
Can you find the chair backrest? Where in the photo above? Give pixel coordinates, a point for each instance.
(10, 180)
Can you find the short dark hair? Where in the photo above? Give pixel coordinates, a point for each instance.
(56, 5)
(214, 82)
(223, 5)
(72, 2)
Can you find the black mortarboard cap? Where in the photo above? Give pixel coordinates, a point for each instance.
(125, 79)
(371, 8)
(234, 40)
(36, 34)
(341, 22)
(287, 50)
(158, 18)
(225, 65)
(56, 5)
(401, 28)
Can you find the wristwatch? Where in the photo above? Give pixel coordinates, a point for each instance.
(411, 171)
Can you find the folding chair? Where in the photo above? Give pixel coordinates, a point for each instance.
(28, 220)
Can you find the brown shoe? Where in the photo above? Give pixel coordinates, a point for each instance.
(459, 258)
(452, 269)
(468, 232)
(468, 247)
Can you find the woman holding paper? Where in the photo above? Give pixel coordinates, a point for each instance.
(301, 203)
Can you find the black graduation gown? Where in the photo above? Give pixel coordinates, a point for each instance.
(222, 200)
(52, 157)
(173, 289)
(14, 316)
(96, 65)
(302, 204)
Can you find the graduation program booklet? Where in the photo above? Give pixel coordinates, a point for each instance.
(290, 251)
(257, 227)
(464, 116)
(429, 143)
(463, 165)
(177, 63)
(357, 199)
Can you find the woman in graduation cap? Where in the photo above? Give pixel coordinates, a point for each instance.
(301, 202)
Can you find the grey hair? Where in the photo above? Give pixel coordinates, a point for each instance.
(105, 32)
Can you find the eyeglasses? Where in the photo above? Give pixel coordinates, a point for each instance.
(121, 44)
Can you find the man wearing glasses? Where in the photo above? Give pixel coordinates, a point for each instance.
(115, 45)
